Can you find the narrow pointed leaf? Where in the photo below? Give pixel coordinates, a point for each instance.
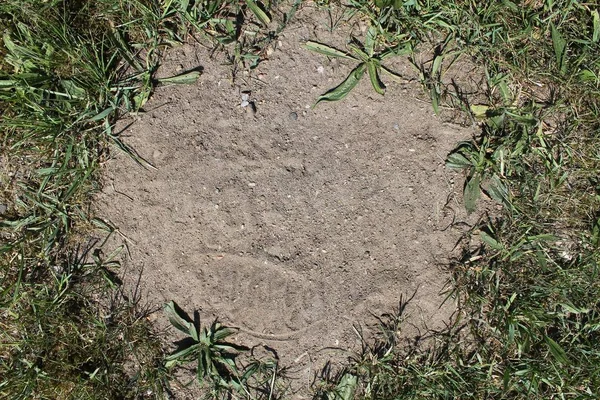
(222, 333)
(396, 51)
(457, 161)
(596, 23)
(342, 90)
(183, 79)
(560, 49)
(345, 388)
(180, 321)
(490, 241)
(437, 65)
(374, 76)
(360, 54)
(498, 191)
(435, 99)
(260, 14)
(326, 50)
(557, 351)
(7, 83)
(471, 193)
(102, 114)
(370, 40)
(181, 353)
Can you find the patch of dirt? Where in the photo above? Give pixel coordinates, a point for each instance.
(290, 223)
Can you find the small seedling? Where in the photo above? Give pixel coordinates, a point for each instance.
(368, 61)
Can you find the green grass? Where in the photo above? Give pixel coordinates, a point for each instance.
(529, 291)
(68, 71)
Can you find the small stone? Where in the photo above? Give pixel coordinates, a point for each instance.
(251, 184)
(293, 116)
(320, 69)
(3, 208)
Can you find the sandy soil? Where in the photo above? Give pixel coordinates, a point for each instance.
(290, 223)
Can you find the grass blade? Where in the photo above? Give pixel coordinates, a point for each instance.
(557, 351)
(490, 241)
(102, 114)
(326, 50)
(342, 90)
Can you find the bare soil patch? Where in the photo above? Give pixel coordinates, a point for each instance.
(290, 223)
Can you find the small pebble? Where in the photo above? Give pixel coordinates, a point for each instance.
(293, 116)
(251, 184)
(3, 208)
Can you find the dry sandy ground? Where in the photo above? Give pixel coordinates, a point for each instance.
(290, 223)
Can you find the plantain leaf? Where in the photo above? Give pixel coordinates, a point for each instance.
(345, 388)
(370, 40)
(498, 191)
(180, 320)
(181, 354)
(400, 50)
(362, 56)
(258, 11)
(457, 161)
(437, 64)
(342, 90)
(326, 50)
(596, 22)
(182, 79)
(435, 99)
(560, 49)
(471, 193)
(377, 85)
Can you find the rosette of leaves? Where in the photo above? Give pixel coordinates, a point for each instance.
(369, 62)
(206, 346)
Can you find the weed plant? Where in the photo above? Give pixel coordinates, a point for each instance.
(529, 293)
(68, 71)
